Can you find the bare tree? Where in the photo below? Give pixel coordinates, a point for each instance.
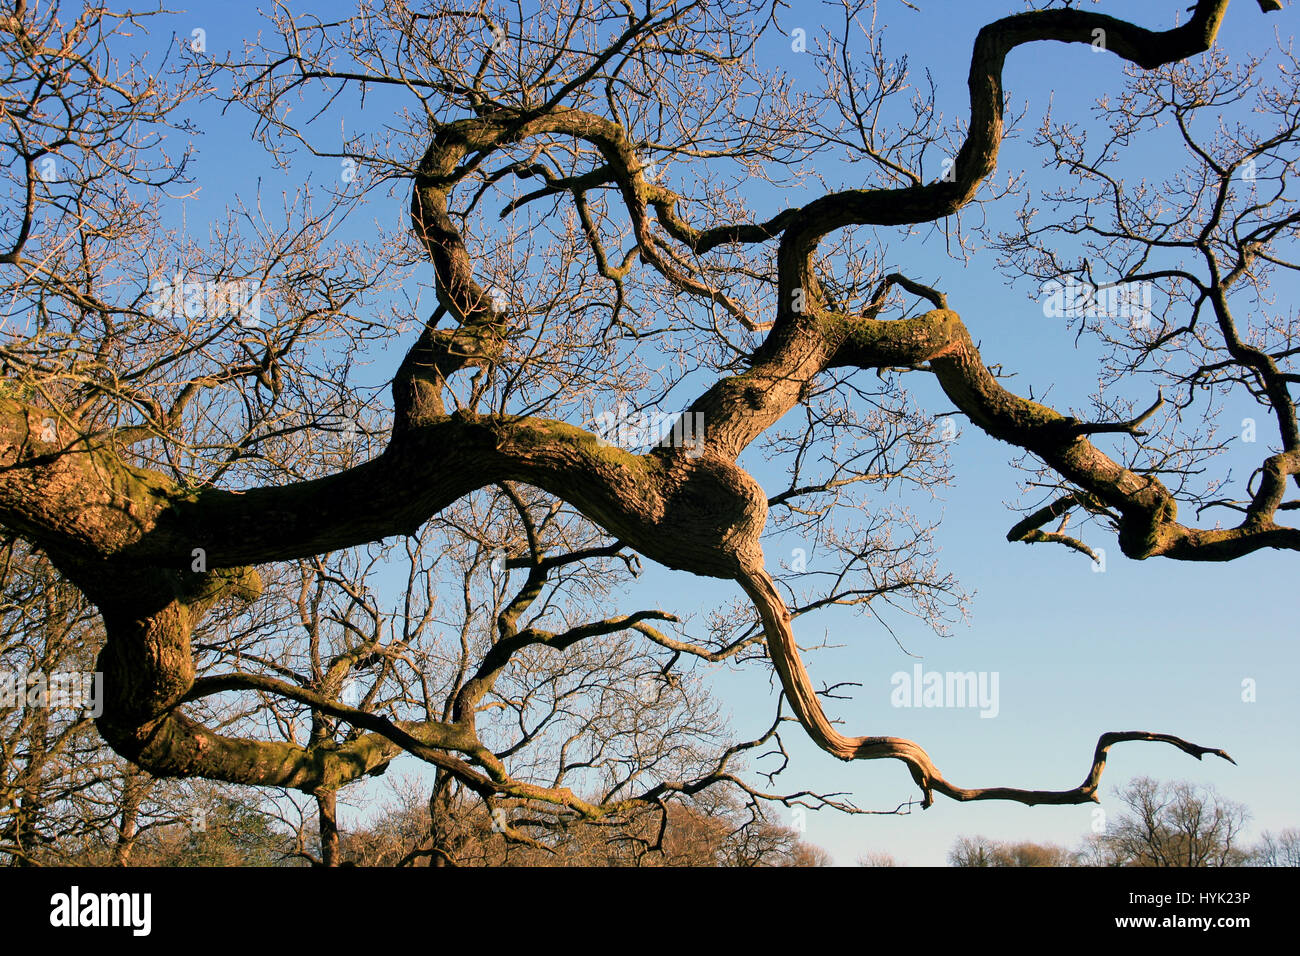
(713, 831)
(52, 763)
(65, 797)
(981, 851)
(171, 439)
(1173, 824)
(1277, 849)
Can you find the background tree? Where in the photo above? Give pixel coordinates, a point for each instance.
(55, 774)
(172, 443)
(981, 851)
(877, 859)
(1164, 824)
(1173, 824)
(713, 831)
(1277, 849)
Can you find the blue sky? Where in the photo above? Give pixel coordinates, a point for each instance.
(1153, 645)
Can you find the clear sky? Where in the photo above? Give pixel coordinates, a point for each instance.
(1156, 645)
